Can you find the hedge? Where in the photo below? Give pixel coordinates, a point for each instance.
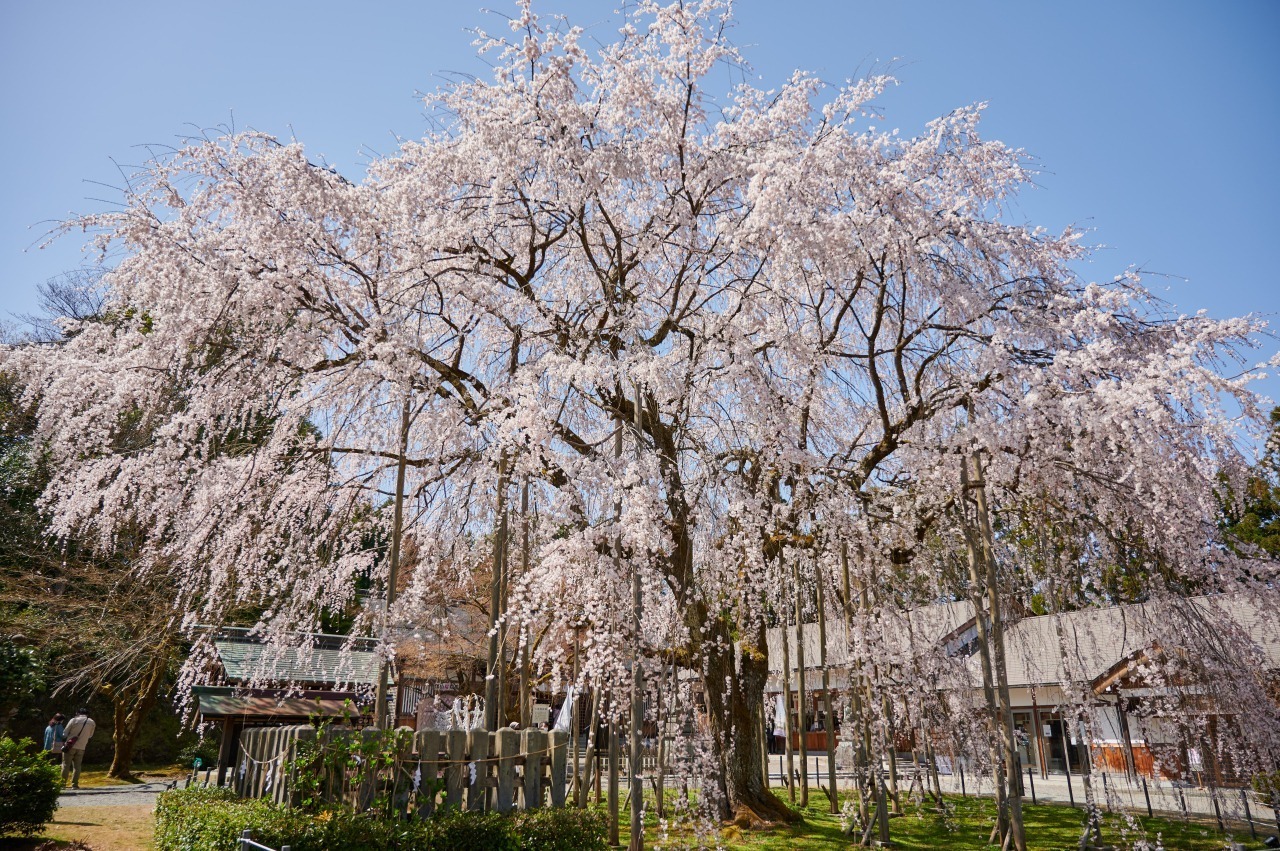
(29, 787)
(200, 819)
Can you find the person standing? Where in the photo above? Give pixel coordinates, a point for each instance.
(55, 735)
(79, 731)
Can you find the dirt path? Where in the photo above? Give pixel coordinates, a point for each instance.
(118, 826)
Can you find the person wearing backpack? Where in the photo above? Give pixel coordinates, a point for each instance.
(55, 735)
(79, 731)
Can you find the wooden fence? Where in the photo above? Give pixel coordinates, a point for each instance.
(475, 769)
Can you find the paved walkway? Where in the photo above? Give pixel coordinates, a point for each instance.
(113, 796)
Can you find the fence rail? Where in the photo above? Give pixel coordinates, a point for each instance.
(246, 843)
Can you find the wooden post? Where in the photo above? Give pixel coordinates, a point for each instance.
(765, 733)
(660, 768)
(226, 749)
(975, 484)
(508, 747)
(300, 734)
(637, 686)
(573, 716)
(890, 736)
(492, 700)
(535, 748)
(477, 785)
(786, 700)
(454, 782)
(861, 748)
(583, 785)
(559, 754)
(882, 812)
(615, 752)
(826, 692)
(1130, 764)
(393, 568)
(800, 689)
(428, 745)
(931, 755)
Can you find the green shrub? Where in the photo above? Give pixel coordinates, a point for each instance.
(1266, 784)
(453, 830)
(204, 749)
(29, 787)
(212, 819)
(562, 830)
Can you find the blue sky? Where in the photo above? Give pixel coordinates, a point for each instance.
(1155, 124)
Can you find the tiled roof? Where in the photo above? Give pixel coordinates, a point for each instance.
(1080, 646)
(921, 627)
(213, 705)
(245, 662)
(1074, 646)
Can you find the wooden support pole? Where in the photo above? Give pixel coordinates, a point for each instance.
(583, 784)
(637, 689)
(827, 706)
(526, 672)
(615, 754)
(380, 713)
(800, 687)
(787, 726)
(976, 485)
(493, 679)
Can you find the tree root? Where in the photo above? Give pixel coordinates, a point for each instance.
(762, 811)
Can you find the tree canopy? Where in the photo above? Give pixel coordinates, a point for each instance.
(734, 341)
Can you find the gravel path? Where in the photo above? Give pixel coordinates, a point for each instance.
(113, 796)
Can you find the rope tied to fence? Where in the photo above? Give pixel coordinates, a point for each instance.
(249, 757)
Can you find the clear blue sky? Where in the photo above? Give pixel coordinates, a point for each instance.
(1157, 124)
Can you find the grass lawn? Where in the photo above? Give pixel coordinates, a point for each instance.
(1049, 828)
(93, 776)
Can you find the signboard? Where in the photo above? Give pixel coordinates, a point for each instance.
(541, 713)
(1048, 731)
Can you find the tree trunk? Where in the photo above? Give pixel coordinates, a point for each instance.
(735, 708)
(128, 711)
